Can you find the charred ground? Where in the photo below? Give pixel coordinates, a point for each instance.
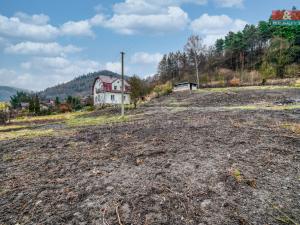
(201, 158)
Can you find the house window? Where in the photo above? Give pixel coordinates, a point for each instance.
(124, 97)
(112, 97)
(115, 87)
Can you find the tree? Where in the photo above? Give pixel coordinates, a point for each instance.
(16, 99)
(163, 68)
(219, 46)
(74, 102)
(37, 106)
(31, 105)
(264, 47)
(278, 55)
(194, 47)
(137, 88)
(57, 101)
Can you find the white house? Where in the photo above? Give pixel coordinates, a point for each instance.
(185, 86)
(108, 90)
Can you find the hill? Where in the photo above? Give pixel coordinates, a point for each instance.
(6, 92)
(80, 86)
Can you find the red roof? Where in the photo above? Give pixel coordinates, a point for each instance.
(107, 79)
(110, 80)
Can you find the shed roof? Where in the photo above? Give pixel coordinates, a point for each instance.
(183, 83)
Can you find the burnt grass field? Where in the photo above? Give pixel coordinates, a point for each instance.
(211, 157)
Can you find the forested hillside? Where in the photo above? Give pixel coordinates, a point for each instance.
(80, 86)
(256, 53)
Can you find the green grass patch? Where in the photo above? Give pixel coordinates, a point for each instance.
(11, 127)
(294, 127)
(93, 121)
(37, 126)
(25, 133)
(7, 158)
(297, 84)
(58, 117)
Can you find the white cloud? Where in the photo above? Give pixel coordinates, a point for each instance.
(216, 26)
(37, 48)
(62, 65)
(38, 19)
(175, 19)
(147, 7)
(230, 3)
(42, 72)
(36, 27)
(32, 28)
(98, 19)
(115, 67)
(3, 42)
(146, 58)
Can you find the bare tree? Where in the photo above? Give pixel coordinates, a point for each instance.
(194, 47)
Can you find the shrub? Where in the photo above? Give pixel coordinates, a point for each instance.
(267, 71)
(163, 89)
(4, 113)
(64, 108)
(292, 70)
(297, 83)
(226, 74)
(167, 88)
(234, 82)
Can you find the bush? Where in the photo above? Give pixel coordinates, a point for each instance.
(89, 108)
(163, 89)
(267, 71)
(64, 108)
(292, 70)
(234, 82)
(4, 113)
(297, 83)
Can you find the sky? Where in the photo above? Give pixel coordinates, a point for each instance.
(44, 43)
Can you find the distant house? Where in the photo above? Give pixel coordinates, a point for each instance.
(108, 90)
(185, 86)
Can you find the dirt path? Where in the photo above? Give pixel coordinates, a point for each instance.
(181, 162)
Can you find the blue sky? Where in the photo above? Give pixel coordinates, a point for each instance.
(43, 43)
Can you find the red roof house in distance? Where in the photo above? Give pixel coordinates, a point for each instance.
(108, 90)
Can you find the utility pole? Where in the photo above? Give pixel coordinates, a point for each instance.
(197, 71)
(122, 62)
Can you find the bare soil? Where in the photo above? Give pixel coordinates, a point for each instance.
(182, 160)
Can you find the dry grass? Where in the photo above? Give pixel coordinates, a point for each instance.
(33, 127)
(265, 107)
(294, 127)
(25, 133)
(236, 89)
(58, 117)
